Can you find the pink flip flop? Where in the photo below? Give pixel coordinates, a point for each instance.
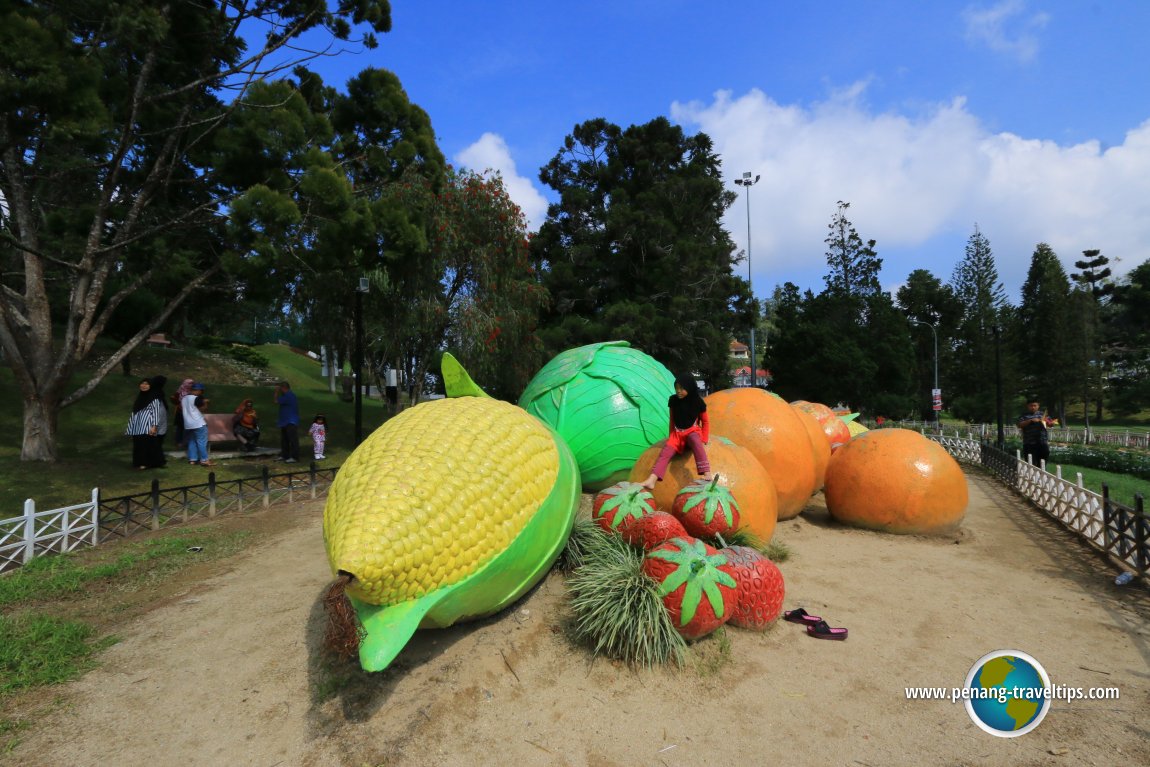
(799, 615)
(821, 630)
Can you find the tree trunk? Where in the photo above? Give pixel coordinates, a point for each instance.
(39, 430)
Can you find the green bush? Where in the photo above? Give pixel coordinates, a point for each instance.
(248, 356)
(210, 344)
(1135, 463)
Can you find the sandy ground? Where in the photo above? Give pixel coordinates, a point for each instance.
(230, 672)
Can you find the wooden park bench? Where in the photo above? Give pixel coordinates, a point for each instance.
(220, 427)
(158, 339)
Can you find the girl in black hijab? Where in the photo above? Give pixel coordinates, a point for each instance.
(148, 424)
(690, 428)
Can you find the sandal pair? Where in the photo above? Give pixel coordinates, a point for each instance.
(816, 626)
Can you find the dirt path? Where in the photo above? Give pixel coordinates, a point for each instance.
(230, 673)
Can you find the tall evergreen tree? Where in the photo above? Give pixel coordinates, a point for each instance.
(976, 286)
(1127, 327)
(1082, 345)
(635, 248)
(1095, 273)
(848, 344)
(926, 299)
(1095, 276)
(854, 265)
(1043, 325)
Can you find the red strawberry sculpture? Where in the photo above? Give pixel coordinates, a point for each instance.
(695, 583)
(706, 508)
(760, 590)
(653, 529)
(621, 505)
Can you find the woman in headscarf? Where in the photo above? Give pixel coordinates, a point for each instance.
(148, 424)
(184, 390)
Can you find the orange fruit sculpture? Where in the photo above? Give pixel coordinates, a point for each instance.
(834, 427)
(767, 426)
(897, 481)
(820, 446)
(739, 471)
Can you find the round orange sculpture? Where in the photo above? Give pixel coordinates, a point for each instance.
(834, 427)
(897, 481)
(767, 426)
(820, 446)
(738, 470)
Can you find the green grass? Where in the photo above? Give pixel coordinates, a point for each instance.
(64, 576)
(1122, 487)
(45, 638)
(93, 451)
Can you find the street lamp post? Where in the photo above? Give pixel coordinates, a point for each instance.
(1001, 442)
(359, 291)
(934, 332)
(747, 182)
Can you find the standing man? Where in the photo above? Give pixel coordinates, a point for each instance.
(1035, 440)
(288, 422)
(192, 406)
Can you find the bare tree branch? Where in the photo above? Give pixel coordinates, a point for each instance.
(130, 345)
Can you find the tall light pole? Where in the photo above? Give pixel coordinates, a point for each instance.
(359, 291)
(747, 182)
(937, 406)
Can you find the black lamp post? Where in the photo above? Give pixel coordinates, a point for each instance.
(747, 182)
(359, 291)
(934, 332)
(998, 389)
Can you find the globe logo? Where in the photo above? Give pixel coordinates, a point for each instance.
(1007, 693)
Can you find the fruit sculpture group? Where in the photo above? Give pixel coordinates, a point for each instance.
(453, 509)
(702, 586)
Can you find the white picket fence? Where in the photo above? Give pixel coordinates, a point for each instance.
(1062, 434)
(1115, 530)
(53, 531)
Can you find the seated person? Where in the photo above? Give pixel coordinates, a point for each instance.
(246, 425)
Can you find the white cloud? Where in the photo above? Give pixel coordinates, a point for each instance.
(490, 153)
(1005, 28)
(918, 184)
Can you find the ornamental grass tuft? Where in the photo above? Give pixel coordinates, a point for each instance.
(618, 610)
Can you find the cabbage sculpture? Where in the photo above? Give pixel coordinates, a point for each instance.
(608, 402)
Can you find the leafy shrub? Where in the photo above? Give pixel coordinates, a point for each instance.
(210, 343)
(1135, 463)
(248, 356)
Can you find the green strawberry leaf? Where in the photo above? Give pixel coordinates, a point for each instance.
(701, 574)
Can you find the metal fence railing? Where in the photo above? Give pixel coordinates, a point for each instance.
(55, 531)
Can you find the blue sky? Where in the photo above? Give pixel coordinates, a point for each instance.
(1029, 118)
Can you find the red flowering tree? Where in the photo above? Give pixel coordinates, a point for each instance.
(474, 291)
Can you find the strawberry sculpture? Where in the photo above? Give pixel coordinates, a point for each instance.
(706, 508)
(653, 529)
(760, 590)
(695, 583)
(620, 506)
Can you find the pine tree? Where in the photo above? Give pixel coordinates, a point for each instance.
(854, 265)
(1043, 326)
(976, 285)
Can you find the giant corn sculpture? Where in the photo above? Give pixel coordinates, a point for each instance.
(451, 510)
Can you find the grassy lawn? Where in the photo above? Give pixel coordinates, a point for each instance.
(1122, 487)
(93, 451)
